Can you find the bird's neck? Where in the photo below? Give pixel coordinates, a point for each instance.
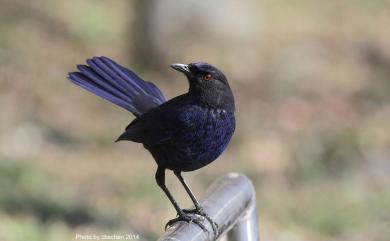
(213, 98)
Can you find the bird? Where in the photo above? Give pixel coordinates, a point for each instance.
(182, 134)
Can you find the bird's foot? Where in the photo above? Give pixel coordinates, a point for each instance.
(198, 211)
(186, 217)
(201, 212)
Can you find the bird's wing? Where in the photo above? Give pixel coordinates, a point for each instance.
(117, 84)
(145, 131)
(165, 124)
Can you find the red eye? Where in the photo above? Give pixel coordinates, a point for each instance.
(207, 77)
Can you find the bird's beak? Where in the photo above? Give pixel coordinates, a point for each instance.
(181, 68)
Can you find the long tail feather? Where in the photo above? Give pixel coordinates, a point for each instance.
(113, 82)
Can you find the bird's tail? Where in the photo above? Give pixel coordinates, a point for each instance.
(113, 82)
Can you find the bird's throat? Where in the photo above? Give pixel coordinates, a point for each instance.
(215, 98)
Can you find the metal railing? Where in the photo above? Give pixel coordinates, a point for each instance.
(230, 202)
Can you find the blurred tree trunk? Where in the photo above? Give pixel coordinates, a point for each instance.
(146, 54)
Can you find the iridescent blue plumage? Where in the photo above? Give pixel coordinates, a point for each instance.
(107, 79)
(181, 135)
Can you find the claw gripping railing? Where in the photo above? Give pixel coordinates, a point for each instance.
(230, 202)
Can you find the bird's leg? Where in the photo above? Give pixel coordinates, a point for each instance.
(198, 208)
(160, 178)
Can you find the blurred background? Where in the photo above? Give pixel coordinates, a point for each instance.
(312, 87)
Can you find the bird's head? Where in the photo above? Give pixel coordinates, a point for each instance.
(201, 74)
(209, 83)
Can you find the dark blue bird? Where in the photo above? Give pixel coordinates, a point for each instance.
(183, 134)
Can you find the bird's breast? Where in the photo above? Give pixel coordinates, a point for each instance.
(204, 137)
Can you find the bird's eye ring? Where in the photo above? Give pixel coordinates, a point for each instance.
(207, 77)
